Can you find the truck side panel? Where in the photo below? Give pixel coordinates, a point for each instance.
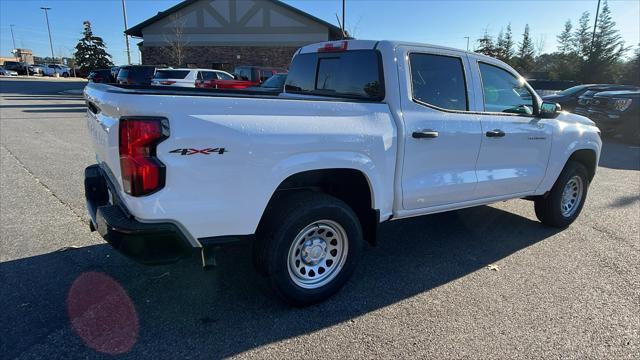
(254, 144)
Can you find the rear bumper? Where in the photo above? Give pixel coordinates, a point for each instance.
(147, 243)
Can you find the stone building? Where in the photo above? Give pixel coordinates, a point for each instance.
(222, 34)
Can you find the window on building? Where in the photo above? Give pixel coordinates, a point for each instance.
(439, 80)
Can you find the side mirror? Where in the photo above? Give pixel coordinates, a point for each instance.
(549, 110)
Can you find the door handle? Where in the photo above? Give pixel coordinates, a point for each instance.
(495, 133)
(425, 134)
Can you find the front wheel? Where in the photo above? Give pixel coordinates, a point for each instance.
(310, 247)
(564, 202)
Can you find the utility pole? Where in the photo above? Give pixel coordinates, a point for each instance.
(595, 26)
(466, 37)
(344, 31)
(126, 37)
(15, 52)
(12, 37)
(46, 15)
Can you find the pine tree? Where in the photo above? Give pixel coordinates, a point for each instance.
(504, 45)
(565, 39)
(507, 48)
(91, 51)
(499, 44)
(526, 52)
(607, 49)
(486, 46)
(631, 71)
(581, 36)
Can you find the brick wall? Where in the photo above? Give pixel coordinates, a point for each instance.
(206, 56)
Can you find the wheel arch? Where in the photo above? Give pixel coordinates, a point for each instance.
(588, 158)
(350, 185)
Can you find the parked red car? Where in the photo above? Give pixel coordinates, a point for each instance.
(245, 76)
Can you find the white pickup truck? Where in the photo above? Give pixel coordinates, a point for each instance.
(365, 132)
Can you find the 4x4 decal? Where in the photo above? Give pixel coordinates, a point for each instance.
(207, 151)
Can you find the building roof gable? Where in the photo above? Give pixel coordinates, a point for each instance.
(136, 30)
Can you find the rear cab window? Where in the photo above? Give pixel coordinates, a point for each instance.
(354, 74)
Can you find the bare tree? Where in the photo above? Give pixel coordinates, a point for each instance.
(176, 40)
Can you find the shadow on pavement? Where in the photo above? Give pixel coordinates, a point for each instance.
(38, 86)
(64, 110)
(44, 97)
(181, 311)
(619, 156)
(41, 106)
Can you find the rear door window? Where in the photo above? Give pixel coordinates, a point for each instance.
(224, 76)
(171, 74)
(351, 74)
(209, 75)
(244, 74)
(439, 80)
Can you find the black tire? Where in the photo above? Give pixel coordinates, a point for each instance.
(549, 208)
(286, 218)
(65, 75)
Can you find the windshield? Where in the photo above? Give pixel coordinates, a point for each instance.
(171, 74)
(276, 81)
(572, 90)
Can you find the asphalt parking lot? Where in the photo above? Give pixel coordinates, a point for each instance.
(487, 282)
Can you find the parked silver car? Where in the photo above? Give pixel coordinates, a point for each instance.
(7, 72)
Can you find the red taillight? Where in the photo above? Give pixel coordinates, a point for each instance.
(330, 47)
(142, 172)
(167, 82)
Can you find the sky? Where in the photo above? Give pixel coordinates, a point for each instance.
(429, 21)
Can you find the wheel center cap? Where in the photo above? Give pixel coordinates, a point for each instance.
(314, 251)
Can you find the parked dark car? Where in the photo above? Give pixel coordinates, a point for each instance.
(272, 84)
(550, 87)
(136, 74)
(583, 101)
(568, 98)
(101, 76)
(617, 113)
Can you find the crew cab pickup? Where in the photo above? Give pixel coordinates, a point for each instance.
(364, 132)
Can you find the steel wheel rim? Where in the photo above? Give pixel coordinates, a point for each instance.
(571, 196)
(317, 254)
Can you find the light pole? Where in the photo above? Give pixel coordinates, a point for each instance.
(126, 37)
(466, 37)
(46, 15)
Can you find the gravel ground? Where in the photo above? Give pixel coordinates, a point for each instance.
(488, 282)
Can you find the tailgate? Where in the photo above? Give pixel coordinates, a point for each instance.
(103, 114)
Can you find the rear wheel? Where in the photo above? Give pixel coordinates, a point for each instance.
(310, 247)
(564, 202)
